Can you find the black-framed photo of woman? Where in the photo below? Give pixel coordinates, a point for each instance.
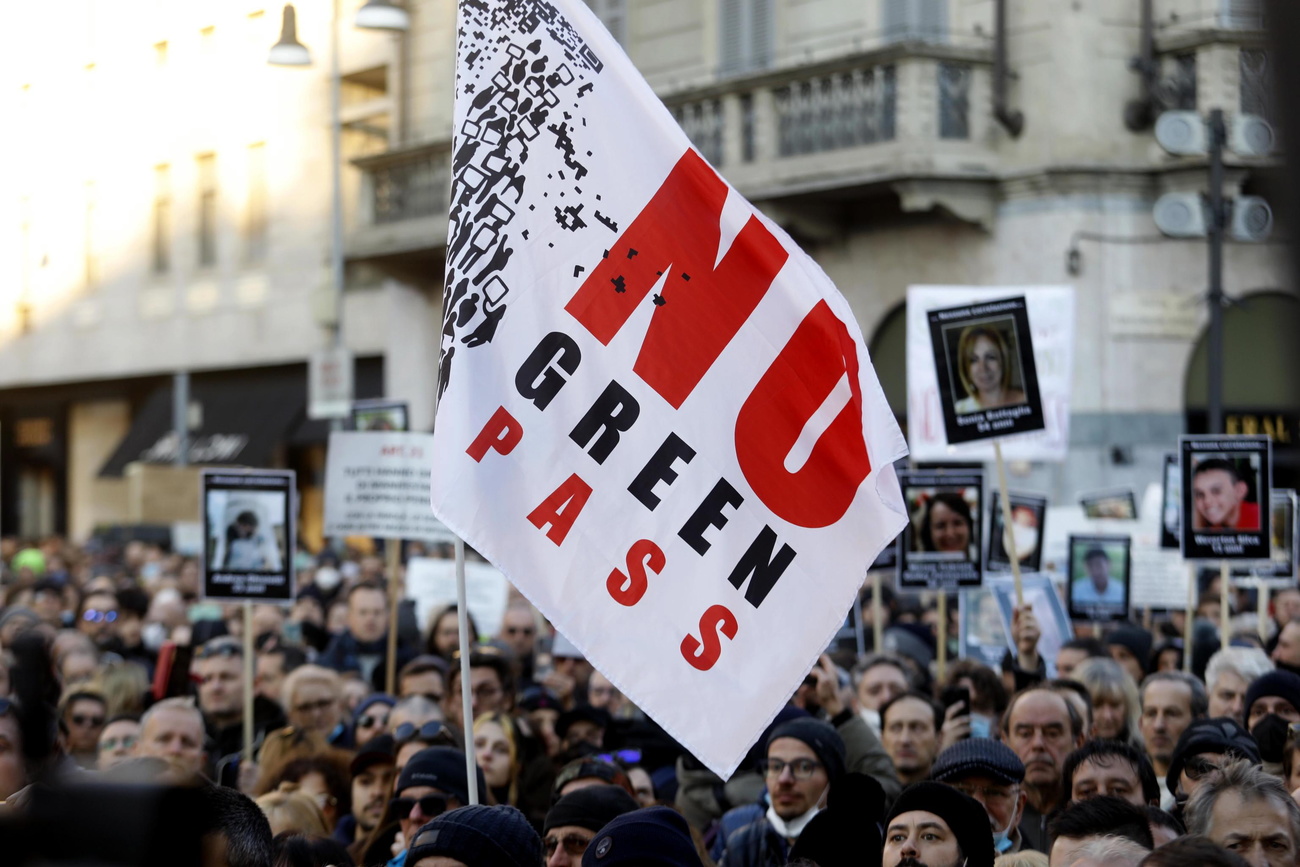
(941, 546)
(984, 358)
(1028, 515)
(1099, 574)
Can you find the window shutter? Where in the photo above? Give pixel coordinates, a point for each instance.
(1241, 14)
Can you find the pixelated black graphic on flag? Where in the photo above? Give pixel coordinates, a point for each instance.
(525, 86)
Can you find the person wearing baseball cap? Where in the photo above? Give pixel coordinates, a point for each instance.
(1204, 745)
(650, 837)
(805, 757)
(432, 783)
(480, 836)
(991, 773)
(574, 820)
(936, 825)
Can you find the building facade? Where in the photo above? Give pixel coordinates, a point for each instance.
(174, 208)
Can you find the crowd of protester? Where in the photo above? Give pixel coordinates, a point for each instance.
(119, 678)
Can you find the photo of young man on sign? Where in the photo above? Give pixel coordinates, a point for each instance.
(249, 523)
(1028, 514)
(940, 546)
(1099, 578)
(1226, 481)
(984, 359)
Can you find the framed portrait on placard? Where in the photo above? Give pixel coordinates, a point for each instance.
(1099, 577)
(1117, 505)
(984, 361)
(1171, 504)
(1028, 517)
(380, 415)
(1279, 572)
(941, 547)
(1225, 498)
(249, 521)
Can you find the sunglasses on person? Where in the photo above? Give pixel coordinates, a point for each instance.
(574, 845)
(430, 805)
(83, 719)
(1198, 766)
(432, 732)
(95, 615)
(627, 757)
(369, 721)
(220, 648)
(126, 742)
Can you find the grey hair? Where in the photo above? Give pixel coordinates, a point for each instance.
(1248, 663)
(1110, 850)
(1106, 678)
(181, 703)
(1252, 784)
(1200, 698)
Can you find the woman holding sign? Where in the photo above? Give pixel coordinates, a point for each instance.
(984, 370)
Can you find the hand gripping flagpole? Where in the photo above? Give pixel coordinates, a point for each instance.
(462, 621)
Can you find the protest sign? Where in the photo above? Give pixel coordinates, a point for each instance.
(377, 484)
(1279, 572)
(380, 415)
(933, 409)
(1118, 505)
(986, 619)
(1225, 489)
(249, 520)
(1028, 515)
(1171, 504)
(1099, 577)
(329, 383)
(431, 582)
(657, 416)
(940, 547)
(984, 361)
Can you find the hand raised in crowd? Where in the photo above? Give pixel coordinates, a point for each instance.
(956, 726)
(1025, 633)
(561, 684)
(828, 686)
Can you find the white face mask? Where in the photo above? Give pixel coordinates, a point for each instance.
(327, 578)
(790, 829)
(153, 635)
(872, 718)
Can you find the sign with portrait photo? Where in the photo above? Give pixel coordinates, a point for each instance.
(1171, 504)
(249, 525)
(940, 547)
(1118, 505)
(380, 415)
(984, 360)
(1028, 514)
(1226, 482)
(1279, 572)
(1099, 573)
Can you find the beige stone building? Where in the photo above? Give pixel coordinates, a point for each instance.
(169, 208)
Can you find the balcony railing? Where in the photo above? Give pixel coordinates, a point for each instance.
(408, 185)
(843, 110)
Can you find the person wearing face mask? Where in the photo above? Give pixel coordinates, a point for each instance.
(804, 759)
(990, 772)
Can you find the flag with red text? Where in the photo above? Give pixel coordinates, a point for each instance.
(657, 415)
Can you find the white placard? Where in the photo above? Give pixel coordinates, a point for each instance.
(377, 484)
(329, 383)
(431, 582)
(1051, 322)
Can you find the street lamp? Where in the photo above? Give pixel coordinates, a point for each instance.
(375, 15)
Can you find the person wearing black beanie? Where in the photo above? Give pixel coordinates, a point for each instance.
(574, 820)
(1277, 692)
(938, 826)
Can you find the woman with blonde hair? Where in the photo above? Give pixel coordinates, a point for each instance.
(288, 809)
(512, 777)
(1115, 705)
(983, 365)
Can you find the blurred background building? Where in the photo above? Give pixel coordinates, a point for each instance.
(167, 207)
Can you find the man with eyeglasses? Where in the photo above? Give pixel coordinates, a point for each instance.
(219, 669)
(432, 783)
(805, 757)
(990, 772)
(117, 741)
(80, 723)
(571, 824)
(97, 620)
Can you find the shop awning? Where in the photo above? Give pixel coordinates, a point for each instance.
(242, 420)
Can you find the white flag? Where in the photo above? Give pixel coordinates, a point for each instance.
(657, 414)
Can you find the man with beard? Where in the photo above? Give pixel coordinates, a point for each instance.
(991, 773)
(1170, 701)
(1042, 728)
(933, 825)
(805, 757)
(373, 771)
(909, 732)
